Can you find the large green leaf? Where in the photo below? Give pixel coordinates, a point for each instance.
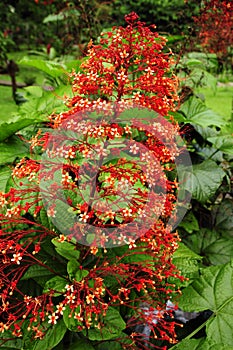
(11, 149)
(52, 337)
(113, 325)
(222, 142)
(184, 252)
(200, 240)
(5, 173)
(200, 344)
(224, 217)
(220, 251)
(196, 112)
(186, 261)
(189, 223)
(213, 291)
(207, 243)
(208, 59)
(188, 344)
(204, 180)
(206, 78)
(39, 108)
(53, 69)
(16, 122)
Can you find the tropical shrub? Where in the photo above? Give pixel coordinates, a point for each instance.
(101, 133)
(214, 28)
(87, 243)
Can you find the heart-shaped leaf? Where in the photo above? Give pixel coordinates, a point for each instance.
(204, 180)
(213, 290)
(196, 112)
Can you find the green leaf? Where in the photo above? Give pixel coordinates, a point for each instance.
(200, 344)
(12, 149)
(200, 240)
(186, 261)
(113, 325)
(54, 18)
(117, 344)
(211, 346)
(188, 344)
(52, 337)
(223, 143)
(7, 342)
(213, 291)
(81, 274)
(70, 322)
(35, 91)
(205, 132)
(184, 252)
(193, 62)
(220, 251)
(196, 112)
(204, 180)
(66, 249)
(57, 284)
(36, 271)
(189, 223)
(68, 254)
(5, 173)
(90, 237)
(9, 126)
(204, 77)
(64, 15)
(72, 267)
(39, 108)
(53, 69)
(224, 218)
(44, 218)
(65, 219)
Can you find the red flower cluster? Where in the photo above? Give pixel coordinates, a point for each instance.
(85, 277)
(215, 26)
(129, 66)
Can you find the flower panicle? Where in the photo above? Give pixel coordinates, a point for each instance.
(130, 66)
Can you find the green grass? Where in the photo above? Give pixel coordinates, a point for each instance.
(219, 101)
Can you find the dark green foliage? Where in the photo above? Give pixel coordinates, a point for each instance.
(173, 17)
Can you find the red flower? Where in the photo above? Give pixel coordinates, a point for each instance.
(131, 18)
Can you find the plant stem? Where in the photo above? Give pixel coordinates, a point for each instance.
(194, 332)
